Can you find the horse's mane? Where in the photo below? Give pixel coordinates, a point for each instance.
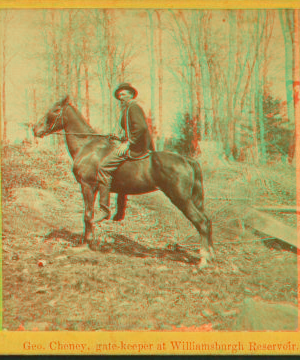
(82, 119)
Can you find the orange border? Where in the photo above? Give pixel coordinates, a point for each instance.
(264, 343)
(162, 4)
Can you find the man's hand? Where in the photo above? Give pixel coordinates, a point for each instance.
(123, 148)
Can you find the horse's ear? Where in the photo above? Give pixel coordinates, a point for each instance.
(65, 100)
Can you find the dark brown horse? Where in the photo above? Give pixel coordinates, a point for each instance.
(178, 177)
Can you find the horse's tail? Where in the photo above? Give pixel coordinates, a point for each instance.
(197, 192)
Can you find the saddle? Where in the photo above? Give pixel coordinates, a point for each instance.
(147, 154)
(113, 137)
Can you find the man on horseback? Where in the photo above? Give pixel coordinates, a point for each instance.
(136, 142)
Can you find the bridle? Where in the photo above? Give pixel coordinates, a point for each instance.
(60, 116)
(110, 137)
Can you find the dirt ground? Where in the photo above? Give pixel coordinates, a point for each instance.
(133, 281)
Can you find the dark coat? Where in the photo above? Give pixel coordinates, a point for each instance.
(138, 133)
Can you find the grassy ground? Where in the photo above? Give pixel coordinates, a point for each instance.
(133, 282)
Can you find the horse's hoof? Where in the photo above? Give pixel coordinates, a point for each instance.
(212, 254)
(117, 218)
(202, 264)
(102, 218)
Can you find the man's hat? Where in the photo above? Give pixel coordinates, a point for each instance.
(125, 86)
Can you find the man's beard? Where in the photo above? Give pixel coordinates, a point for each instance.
(122, 105)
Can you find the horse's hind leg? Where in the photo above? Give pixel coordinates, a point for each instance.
(203, 226)
(208, 227)
(121, 206)
(198, 199)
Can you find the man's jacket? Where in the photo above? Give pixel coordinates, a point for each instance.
(133, 121)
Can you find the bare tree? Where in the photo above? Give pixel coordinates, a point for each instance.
(151, 50)
(6, 18)
(286, 20)
(296, 72)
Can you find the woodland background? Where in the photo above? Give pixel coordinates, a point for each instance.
(225, 76)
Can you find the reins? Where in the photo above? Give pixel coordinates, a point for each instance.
(113, 137)
(109, 136)
(60, 116)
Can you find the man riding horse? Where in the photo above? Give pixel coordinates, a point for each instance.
(99, 165)
(135, 144)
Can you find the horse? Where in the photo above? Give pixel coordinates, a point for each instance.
(178, 177)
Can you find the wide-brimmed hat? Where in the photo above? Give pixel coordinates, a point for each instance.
(125, 86)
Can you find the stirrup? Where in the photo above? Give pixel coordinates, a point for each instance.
(105, 214)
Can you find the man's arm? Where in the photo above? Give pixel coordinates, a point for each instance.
(137, 124)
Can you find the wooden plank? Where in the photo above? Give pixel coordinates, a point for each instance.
(281, 209)
(268, 225)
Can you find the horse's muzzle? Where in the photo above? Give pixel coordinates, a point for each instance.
(37, 133)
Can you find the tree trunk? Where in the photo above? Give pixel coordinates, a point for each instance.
(68, 60)
(4, 131)
(152, 74)
(231, 72)
(160, 85)
(283, 16)
(100, 65)
(260, 93)
(78, 85)
(35, 113)
(185, 68)
(296, 145)
(253, 119)
(206, 84)
(86, 79)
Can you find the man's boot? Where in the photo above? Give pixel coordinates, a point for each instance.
(104, 192)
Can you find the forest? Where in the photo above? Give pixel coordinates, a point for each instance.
(231, 77)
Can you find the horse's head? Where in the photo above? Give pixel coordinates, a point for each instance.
(52, 121)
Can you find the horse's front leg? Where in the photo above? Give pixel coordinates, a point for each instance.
(121, 207)
(89, 193)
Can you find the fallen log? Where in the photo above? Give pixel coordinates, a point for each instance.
(279, 209)
(267, 224)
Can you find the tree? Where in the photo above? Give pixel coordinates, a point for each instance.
(183, 143)
(202, 41)
(295, 143)
(287, 24)
(186, 37)
(6, 18)
(160, 83)
(151, 49)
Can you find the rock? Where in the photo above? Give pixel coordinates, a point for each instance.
(163, 268)
(257, 315)
(15, 256)
(42, 290)
(37, 326)
(62, 258)
(39, 211)
(52, 303)
(42, 263)
(35, 199)
(230, 313)
(207, 313)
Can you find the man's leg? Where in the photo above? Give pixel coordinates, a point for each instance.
(105, 169)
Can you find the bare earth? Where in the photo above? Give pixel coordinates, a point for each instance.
(133, 281)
